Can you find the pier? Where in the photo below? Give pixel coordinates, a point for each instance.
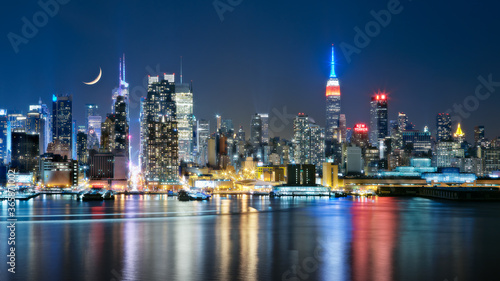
(459, 193)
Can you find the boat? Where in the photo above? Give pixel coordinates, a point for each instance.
(259, 193)
(198, 196)
(183, 196)
(108, 195)
(191, 196)
(91, 195)
(340, 194)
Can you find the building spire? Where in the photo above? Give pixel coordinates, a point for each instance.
(123, 75)
(181, 69)
(120, 72)
(459, 132)
(332, 71)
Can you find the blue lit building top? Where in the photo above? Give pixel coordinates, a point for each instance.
(449, 175)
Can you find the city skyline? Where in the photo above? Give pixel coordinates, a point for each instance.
(260, 73)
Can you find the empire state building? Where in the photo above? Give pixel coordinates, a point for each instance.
(332, 103)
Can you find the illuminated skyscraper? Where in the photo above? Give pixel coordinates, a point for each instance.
(25, 152)
(332, 102)
(121, 126)
(360, 135)
(443, 121)
(185, 120)
(343, 128)
(256, 130)
(265, 127)
(4, 137)
(317, 145)
(202, 135)
(122, 89)
(459, 135)
(62, 122)
(378, 118)
(161, 166)
(301, 139)
(479, 135)
(90, 110)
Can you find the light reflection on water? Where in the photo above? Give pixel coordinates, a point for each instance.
(253, 238)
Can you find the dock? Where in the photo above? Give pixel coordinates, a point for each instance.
(457, 193)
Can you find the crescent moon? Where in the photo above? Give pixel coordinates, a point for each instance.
(96, 80)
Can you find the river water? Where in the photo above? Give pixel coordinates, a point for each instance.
(155, 237)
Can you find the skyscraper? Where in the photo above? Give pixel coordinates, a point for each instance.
(94, 131)
(62, 121)
(343, 128)
(185, 120)
(25, 152)
(90, 110)
(122, 89)
(443, 121)
(82, 150)
(202, 135)
(332, 102)
(256, 130)
(161, 167)
(265, 127)
(301, 139)
(317, 145)
(479, 135)
(360, 135)
(4, 137)
(459, 135)
(378, 118)
(121, 126)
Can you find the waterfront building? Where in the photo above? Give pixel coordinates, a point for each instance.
(449, 175)
(58, 172)
(331, 175)
(25, 153)
(301, 174)
(161, 165)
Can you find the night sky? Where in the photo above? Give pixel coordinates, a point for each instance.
(264, 56)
